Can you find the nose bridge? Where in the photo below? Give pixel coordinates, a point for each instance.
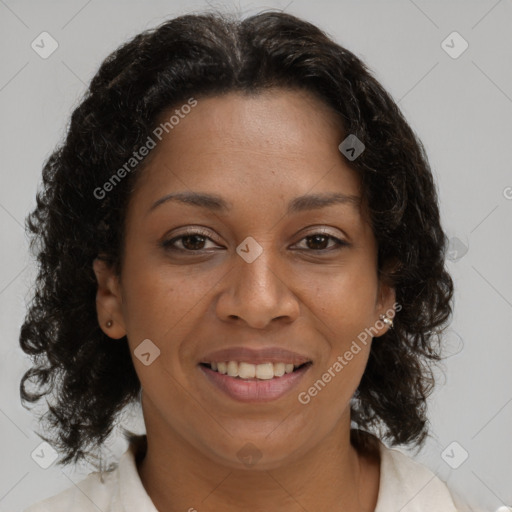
(257, 277)
(257, 292)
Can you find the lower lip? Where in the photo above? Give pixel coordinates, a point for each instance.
(255, 390)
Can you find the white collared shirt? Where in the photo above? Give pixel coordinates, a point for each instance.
(405, 486)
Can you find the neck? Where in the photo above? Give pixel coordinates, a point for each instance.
(179, 477)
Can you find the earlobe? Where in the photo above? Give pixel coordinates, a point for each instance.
(108, 300)
(386, 309)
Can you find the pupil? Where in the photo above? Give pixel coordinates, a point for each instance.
(198, 241)
(317, 239)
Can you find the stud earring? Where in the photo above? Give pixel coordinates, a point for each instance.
(386, 320)
(109, 323)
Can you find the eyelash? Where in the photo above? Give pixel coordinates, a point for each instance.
(169, 244)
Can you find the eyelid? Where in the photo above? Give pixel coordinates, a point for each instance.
(206, 233)
(339, 241)
(313, 230)
(189, 231)
(322, 230)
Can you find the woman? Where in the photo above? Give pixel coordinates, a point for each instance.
(242, 231)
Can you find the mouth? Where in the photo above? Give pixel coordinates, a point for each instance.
(247, 371)
(246, 382)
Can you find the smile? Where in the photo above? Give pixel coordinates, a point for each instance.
(242, 370)
(248, 382)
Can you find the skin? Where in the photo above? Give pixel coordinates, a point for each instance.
(258, 153)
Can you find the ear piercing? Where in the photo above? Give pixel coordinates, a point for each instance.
(109, 323)
(386, 320)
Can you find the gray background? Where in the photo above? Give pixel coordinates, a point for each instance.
(461, 110)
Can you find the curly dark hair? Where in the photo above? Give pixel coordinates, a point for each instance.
(201, 55)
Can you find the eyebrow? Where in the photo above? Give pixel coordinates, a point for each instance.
(299, 204)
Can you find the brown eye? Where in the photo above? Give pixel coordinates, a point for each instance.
(188, 242)
(320, 242)
(193, 242)
(317, 242)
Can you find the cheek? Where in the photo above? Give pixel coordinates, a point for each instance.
(162, 305)
(344, 309)
(344, 296)
(343, 302)
(160, 302)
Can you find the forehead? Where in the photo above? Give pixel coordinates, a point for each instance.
(278, 142)
(278, 120)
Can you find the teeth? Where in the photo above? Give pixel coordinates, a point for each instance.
(233, 368)
(246, 371)
(264, 371)
(279, 369)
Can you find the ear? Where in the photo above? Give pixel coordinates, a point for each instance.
(109, 300)
(385, 305)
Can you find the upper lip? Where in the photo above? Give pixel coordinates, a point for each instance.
(256, 356)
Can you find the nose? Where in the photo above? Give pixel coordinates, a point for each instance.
(258, 293)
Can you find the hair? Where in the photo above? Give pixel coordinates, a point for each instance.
(90, 378)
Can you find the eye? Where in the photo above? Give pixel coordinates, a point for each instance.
(191, 241)
(320, 242)
(195, 241)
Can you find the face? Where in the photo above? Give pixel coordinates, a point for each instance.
(257, 269)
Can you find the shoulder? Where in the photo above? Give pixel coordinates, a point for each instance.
(118, 490)
(409, 486)
(93, 493)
